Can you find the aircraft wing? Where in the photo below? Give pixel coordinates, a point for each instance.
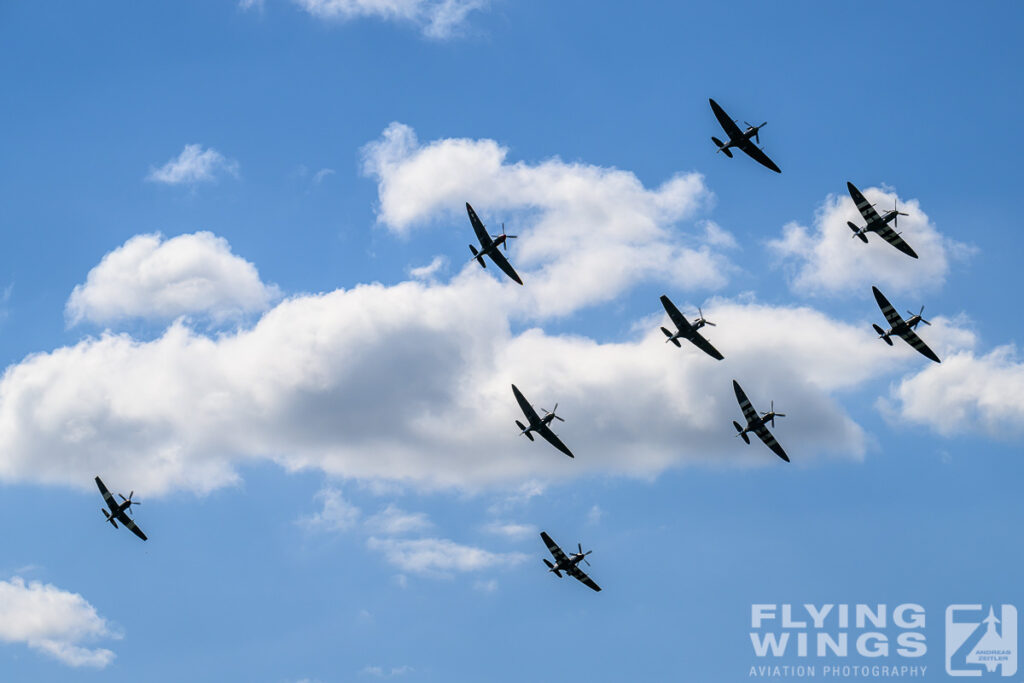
(705, 346)
(769, 441)
(528, 410)
(728, 125)
(577, 573)
(130, 523)
(758, 155)
(505, 266)
(550, 437)
(478, 227)
(911, 338)
(678, 319)
(553, 547)
(109, 499)
(866, 210)
(886, 232)
(894, 318)
(748, 410)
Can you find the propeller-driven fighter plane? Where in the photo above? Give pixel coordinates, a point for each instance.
(902, 328)
(687, 331)
(489, 245)
(538, 424)
(757, 423)
(878, 224)
(568, 564)
(118, 510)
(740, 139)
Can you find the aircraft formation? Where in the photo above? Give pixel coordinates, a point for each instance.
(495, 248)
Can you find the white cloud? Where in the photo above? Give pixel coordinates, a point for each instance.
(436, 18)
(394, 521)
(156, 279)
(510, 529)
(319, 176)
(194, 165)
(53, 621)
(966, 393)
(825, 260)
(434, 556)
(430, 270)
(586, 233)
(250, 5)
(337, 514)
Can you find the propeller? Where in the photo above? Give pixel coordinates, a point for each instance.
(771, 411)
(757, 130)
(706, 322)
(507, 237)
(584, 554)
(897, 213)
(552, 413)
(918, 315)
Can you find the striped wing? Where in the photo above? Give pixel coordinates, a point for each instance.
(911, 338)
(894, 318)
(577, 573)
(886, 232)
(128, 522)
(769, 440)
(553, 548)
(748, 410)
(109, 499)
(866, 210)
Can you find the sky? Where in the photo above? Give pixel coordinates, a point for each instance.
(235, 281)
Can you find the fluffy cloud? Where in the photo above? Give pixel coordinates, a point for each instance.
(148, 277)
(410, 383)
(53, 621)
(194, 165)
(436, 18)
(967, 393)
(586, 233)
(337, 514)
(825, 260)
(433, 556)
(510, 529)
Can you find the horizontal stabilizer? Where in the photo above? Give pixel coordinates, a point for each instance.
(857, 232)
(882, 334)
(739, 431)
(548, 563)
(667, 333)
(477, 256)
(721, 147)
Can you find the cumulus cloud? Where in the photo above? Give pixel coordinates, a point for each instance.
(409, 383)
(439, 556)
(967, 393)
(825, 260)
(586, 233)
(194, 165)
(436, 18)
(430, 270)
(151, 278)
(53, 621)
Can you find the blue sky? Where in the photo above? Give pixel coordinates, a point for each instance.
(324, 441)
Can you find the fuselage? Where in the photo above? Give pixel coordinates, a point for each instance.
(568, 563)
(542, 422)
(743, 137)
(754, 425)
(687, 333)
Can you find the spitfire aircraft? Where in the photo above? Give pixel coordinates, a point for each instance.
(118, 510)
(687, 331)
(568, 564)
(878, 224)
(489, 245)
(539, 424)
(740, 139)
(756, 423)
(902, 328)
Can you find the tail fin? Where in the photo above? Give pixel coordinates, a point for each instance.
(670, 339)
(477, 256)
(857, 232)
(739, 432)
(882, 334)
(721, 147)
(522, 428)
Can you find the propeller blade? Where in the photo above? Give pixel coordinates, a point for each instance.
(585, 560)
(926, 322)
(580, 546)
(122, 496)
(559, 419)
